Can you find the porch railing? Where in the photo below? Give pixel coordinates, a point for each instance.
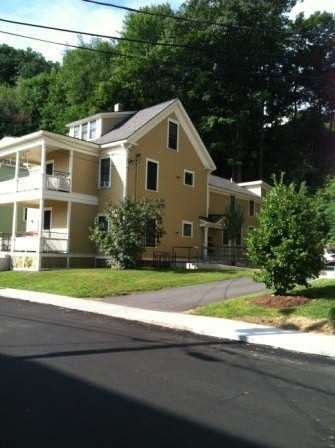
(50, 242)
(58, 181)
(230, 255)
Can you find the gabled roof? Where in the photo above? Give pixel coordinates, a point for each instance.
(136, 126)
(130, 125)
(229, 185)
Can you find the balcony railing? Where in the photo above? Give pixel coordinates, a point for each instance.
(58, 181)
(50, 242)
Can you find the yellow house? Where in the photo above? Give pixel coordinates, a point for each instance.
(64, 181)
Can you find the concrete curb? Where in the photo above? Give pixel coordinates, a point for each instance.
(310, 343)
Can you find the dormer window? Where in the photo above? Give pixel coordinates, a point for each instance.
(76, 132)
(173, 135)
(93, 129)
(84, 131)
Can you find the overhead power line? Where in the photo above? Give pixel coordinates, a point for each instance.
(105, 36)
(248, 52)
(167, 63)
(197, 21)
(80, 47)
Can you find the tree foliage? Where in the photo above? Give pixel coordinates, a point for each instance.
(131, 224)
(288, 245)
(325, 197)
(258, 86)
(234, 219)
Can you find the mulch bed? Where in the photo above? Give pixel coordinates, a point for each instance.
(280, 302)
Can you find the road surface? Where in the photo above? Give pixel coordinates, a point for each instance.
(74, 379)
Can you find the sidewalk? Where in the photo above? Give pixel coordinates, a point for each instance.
(310, 343)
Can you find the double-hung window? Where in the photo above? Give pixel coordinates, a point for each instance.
(187, 229)
(189, 178)
(102, 222)
(76, 132)
(151, 182)
(105, 172)
(84, 131)
(173, 135)
(93, 129)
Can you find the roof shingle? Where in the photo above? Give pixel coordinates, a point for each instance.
(132, 124)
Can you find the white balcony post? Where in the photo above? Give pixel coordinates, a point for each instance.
(68, 224)
(17, 166)
(71, 170)
(43, 166)
(205, 241)
(40, 226)
(14, 225)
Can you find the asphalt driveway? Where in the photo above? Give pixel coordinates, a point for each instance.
(188, 297)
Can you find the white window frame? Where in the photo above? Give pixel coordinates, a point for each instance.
(183, 229)
(193, 177)
(50, 162)
(107, 185)
(168, 135)
(92, 126)
(87, 131)
(102, 215)
(76, 131)
(47, 209)
(146, 174)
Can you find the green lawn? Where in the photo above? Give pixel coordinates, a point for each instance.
(322, 305)
(107, 282)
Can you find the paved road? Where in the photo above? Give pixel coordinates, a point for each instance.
(188, 297)
(73, 379)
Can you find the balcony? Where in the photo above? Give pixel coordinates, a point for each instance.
(50, 242)
(58, 181)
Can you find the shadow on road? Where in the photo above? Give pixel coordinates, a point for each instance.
(42, 407)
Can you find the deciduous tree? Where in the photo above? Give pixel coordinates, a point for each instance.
(128, 226)
(288, 245)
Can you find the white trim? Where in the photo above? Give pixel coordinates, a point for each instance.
(182, 229)
(171, 120)
(47, 209)
(146, 174)
(108, 184)
(184, 120)
(193, 178)
(50, 162)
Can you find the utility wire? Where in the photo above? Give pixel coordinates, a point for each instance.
(161, 62)
(197, 21)
(80, 47)
(140, 41)
(104, 36)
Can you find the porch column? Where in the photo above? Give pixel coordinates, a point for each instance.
(17, 166)
(125, 180)
(71, 169)
(14, 226)
(205, 241)
(68, 226)
(43, 167)
(40, 226)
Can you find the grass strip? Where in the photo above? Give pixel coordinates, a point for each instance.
(91, 283)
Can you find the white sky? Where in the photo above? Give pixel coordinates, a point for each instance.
(82, 16)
